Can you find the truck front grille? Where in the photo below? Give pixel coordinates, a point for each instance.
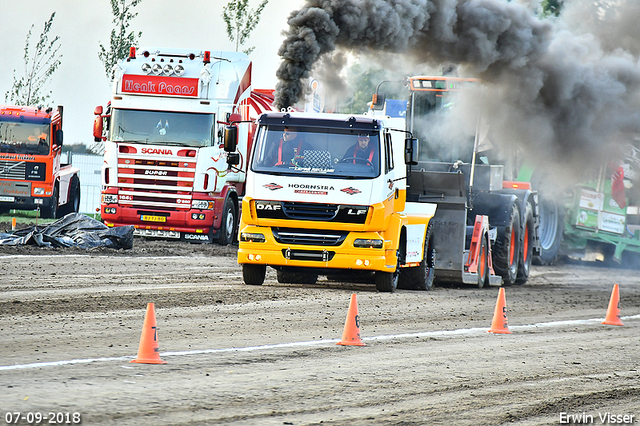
(310, 211)
(309, 237)
(13, 170)
(289, 210)
(156, 184)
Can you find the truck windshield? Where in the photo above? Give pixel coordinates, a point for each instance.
(24, 138)
(434, 115)
(440, 136)
(162, 128)
(340, 153)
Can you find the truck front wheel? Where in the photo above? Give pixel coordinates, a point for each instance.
(387, 282)
(507, 248)
(227, 231)
(73, 205)
(526, 248)
(51, 212)
(253, 274)
(483, 263)
(421, 277)
(551, 229)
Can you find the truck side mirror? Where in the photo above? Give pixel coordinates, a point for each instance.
(230, 138)
(58, 140)
(97, 127)
(234, 118)
(98, 110)
(410, 151)
(233, 158)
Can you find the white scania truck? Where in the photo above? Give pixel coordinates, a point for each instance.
(165, 171)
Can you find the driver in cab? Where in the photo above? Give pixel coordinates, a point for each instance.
(362, 152)
(289, 150)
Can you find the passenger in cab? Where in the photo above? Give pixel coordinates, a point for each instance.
(362, 152)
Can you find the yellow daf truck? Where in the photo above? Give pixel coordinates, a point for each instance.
(318, 203)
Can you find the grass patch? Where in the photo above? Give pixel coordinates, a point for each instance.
(33, 216)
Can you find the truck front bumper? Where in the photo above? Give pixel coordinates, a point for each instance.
(183, 220)
(344, 256)
(24, 203)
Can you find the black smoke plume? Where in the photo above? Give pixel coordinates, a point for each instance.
(554, 85)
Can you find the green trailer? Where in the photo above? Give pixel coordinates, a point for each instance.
(596, 226)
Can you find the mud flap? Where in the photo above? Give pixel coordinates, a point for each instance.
(480, 228)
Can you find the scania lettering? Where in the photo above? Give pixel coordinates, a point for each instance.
(196, 237)
(165, 170)
(156, 151)
(31, 174)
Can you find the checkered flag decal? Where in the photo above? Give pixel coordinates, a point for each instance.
(317, 159)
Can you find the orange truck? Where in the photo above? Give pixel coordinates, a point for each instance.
(32, 176)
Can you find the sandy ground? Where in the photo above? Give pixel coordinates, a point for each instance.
(71, 320)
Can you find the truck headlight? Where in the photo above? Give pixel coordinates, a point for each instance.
(202, 204)
(109, 199)
(38, 191)
(368, 243)
(252, 237)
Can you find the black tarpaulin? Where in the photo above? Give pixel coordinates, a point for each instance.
(73, 230)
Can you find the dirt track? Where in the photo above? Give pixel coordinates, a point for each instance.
(70, 321)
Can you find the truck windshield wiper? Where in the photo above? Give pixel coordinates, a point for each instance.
(173, 143)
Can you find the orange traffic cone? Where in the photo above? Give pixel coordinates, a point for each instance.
(148, 351)
(351, 333)
(613, 311)
(499, 324)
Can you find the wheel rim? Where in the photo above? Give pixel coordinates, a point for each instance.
(512, 248)
(548, 224)
(525, 245)
(431, 258)
(76, 202)
(229, 224)
(54, 203)
(482, 263)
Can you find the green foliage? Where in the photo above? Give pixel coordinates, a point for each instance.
(364, 82)
(39, 66)
(241, 21)
(121, 41)
(551, 7)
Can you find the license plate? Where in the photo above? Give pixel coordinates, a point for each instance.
(156, 233)
(147, 218)
(8, 199)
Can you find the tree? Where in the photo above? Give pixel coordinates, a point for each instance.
(551, 7)
(241, 21)
(39, 67)
(120, 40)
(363, 82)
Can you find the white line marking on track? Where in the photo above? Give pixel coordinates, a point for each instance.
(437, 333)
